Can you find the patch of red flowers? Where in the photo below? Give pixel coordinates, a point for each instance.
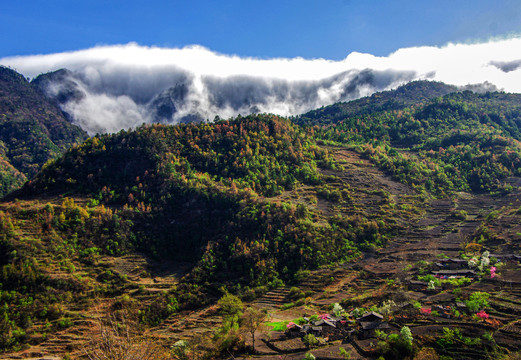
(482, 314)
(426, 311)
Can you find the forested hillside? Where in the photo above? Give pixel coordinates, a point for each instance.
(415, 92)
(203, 191)
(460, 142)
(168, 219)
(32, 130)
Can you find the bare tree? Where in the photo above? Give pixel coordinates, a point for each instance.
(251, 319)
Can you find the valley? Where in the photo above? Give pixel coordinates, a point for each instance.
(426, 235)
(191, 241)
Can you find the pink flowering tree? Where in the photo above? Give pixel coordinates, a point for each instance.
(492, 272)
(426, 311)
(482, 314)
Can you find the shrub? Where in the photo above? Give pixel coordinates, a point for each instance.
(487, 335)
(309, 356)
(337, 309)
(310, 341)
(230, 304)
(406, 335)
(295, 293)
(64, 323)
(460, 215)
(477, 301)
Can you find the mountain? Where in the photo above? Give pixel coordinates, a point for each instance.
(59, 86)
(461, 142)
(159, 222)
(32, 129)
(105, 99)
(406, 95)
(167, 104)
(193, 185)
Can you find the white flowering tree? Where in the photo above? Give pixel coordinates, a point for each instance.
(431, 285)
(406, 335)
(473, 262)
(387, 307)
(485, 260)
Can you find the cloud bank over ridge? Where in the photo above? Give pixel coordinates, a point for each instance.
(108, 88)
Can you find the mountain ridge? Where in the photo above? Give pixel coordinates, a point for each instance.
(408, 94)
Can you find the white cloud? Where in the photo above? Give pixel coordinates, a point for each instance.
(120, 82)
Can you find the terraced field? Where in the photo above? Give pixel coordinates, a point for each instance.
(426, 231)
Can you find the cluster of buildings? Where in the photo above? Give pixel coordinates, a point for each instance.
(332, 328)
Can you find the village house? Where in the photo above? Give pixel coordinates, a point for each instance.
(452, 264)
(461, 307)
(407, 310)
(443, 311)
(328, 327)
(294, 330)
(370, 322)
(340, 322)
(417, 285)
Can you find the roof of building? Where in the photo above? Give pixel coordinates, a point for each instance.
(454, 260)
(294, 327)
(406, 305)
(417, 282)
(324, 322)
(369, 315)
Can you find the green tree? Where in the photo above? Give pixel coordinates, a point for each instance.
(406, 335)
(310, 341)
(344, 353)
(477, 301)
(230, 304)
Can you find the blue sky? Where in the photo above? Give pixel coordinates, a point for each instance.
(284, 57)
(265, 29)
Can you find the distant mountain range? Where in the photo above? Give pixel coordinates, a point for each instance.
(102, 103)
(44, 117)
